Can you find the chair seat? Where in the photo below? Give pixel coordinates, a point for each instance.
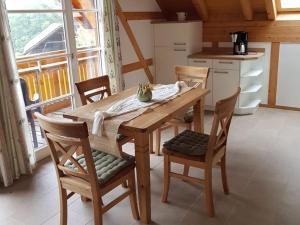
(187, 117)
(120, 137)
(107, 165)
(188, 143)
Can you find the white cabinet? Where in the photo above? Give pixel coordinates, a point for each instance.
(227, 75)
(226, 64)
(205, 63)
(225, 83)
(173, 43)
(166, 59)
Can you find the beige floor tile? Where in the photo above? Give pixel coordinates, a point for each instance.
(263, 175)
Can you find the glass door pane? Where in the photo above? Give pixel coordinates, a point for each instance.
(83, 4)
(89, 63)
(33, 4)
(35, 33)
(44, 51)
(46, 89)
(87, 44)
(39, 41)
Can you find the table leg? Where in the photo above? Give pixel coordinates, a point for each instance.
(143, 175)
(151, 143)
(199, 116)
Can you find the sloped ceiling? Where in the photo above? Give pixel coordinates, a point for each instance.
(227, 9)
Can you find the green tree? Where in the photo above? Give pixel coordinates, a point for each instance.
(24, 27)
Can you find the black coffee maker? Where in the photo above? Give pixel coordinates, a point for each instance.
(240, 42)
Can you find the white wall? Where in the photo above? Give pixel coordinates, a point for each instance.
(143, 31)
(288, 85)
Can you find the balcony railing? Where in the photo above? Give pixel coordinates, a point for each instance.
(47, 75)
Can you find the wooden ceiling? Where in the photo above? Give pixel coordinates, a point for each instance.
(214, 10)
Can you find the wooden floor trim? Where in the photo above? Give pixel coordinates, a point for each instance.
(280, 107)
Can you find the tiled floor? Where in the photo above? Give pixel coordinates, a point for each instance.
(263, 173)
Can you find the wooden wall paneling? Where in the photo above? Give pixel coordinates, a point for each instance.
(223, 6)
(258, 6)
(135, 66)
(271, 9)
(144, 15)
(201, 8)
(273, 73)
(133, 41)
(259, 31)
(247, 9)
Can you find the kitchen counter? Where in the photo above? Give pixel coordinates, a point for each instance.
(219, 54)
(227, 72)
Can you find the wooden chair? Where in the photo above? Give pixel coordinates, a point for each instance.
(91, 174)
(97, 89)
(28, 101)
(192, 76)
(202, 151)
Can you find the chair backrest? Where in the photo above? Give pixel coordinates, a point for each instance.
(64, 139)
(98, 86)
(222, 119)
(25, 92)
(192, 75)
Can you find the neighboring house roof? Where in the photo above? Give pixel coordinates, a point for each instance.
(51, 29)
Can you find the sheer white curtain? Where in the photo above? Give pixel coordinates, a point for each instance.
(16, 153)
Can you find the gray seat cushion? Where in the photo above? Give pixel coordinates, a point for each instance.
(189, 143)
(107, 165)
(120, 136)
(187, 117)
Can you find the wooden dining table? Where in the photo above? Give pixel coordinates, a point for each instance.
(140, 127)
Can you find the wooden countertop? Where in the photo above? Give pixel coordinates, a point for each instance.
(224, 55)
(174, 21)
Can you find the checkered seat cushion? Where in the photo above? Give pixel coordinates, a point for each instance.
(107, 165)
(120, 136)
(188, 143)
(187, 117)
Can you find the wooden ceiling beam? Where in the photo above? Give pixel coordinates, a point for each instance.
(271, 9)
(163, 8)
(247, 9)
(201, 8)
(135, 66)
(133, 41)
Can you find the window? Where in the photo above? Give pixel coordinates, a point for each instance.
(288, 5)
(56, 43)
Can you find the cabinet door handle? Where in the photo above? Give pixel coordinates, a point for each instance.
(225, 62)
(200, 61)
(179, 50)
(179, 43)
(221, 72)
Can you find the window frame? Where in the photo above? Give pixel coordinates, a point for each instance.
(70, 53)
(285, 10)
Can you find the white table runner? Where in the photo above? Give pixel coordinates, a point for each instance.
(104, 128)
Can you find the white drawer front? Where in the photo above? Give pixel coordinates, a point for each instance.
(176, 34)
(225, 83)
(226, 64)
(201, 62)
